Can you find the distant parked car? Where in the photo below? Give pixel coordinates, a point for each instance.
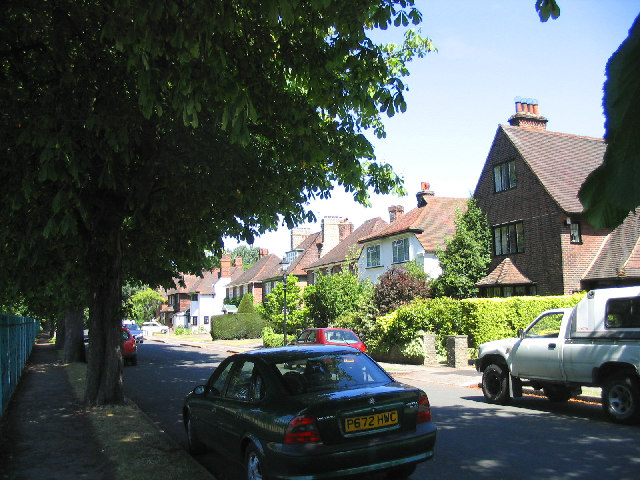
(134, 329)
(129, 347)
(149, 328)
(310, 412)
(329, 336)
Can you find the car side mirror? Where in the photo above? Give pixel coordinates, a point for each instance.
(521, 333)
(199, 390)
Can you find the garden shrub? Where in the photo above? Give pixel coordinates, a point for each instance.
(271, 339)
(481, 319)
(237, 326)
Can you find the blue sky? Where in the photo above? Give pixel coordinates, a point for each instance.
(489, 52)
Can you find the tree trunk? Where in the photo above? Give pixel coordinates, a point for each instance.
(60, 334)
(105, 361)
(74, 350)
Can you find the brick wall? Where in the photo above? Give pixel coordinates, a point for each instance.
(530, 203)
(577, 257)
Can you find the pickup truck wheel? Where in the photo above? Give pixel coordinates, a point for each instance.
(621, 399)
(495, 384)
(557, 393)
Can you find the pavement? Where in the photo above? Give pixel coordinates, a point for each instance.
(44, 401)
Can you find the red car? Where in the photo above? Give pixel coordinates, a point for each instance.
(329, 336)
(129, 347)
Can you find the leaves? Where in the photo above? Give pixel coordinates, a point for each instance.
(612, 190)
(546, 9)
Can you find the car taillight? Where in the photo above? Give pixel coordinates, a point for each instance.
(302, 429)
(424, 409)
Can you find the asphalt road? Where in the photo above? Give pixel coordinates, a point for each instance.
(530, 439)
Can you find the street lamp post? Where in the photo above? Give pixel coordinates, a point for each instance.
(284, 264)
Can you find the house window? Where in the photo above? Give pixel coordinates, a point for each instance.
(400, 250)
(508, 238)
(574, 232)
(504, 176)
(206, 319)
(373, 256)
(508, 291)
(194, 320)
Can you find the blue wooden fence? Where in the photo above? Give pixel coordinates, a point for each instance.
(17, 336)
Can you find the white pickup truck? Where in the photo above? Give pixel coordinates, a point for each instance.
(597, 343)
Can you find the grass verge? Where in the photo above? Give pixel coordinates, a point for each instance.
(135, 446)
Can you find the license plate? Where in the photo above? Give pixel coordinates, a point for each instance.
(368, 422)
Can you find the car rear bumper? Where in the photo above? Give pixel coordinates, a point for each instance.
(306, 462)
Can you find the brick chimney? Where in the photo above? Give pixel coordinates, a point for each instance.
(238, 262)
(225, 266)
(395, 212)
(423, 194)
(345, 229)
(528, 115)
(330, 233)
(263, 252)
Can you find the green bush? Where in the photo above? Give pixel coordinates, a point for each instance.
(481, 319)
(180, 331)
(237, 326)
(271, 339)
(246, 304)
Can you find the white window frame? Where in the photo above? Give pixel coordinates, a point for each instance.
(373, 256)
(400, 248)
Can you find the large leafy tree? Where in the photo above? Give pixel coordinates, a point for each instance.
(466, 255)
(136, 135)
(611, 191)
(332, 296)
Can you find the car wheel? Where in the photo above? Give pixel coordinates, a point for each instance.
(557, 393)
(195, 445)
(402, 472)
(495, 384)
(254, 464)
(620, 399)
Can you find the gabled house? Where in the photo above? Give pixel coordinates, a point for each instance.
(208, 294)
(201, 298)
(252, 280)
(308, 248)
(346, 253)
(528, 189)
(175, 313)
(415, 235)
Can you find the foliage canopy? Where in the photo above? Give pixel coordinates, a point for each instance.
(136, 135)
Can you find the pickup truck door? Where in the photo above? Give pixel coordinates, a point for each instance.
(539, 353)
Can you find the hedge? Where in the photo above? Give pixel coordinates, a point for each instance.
(236, 326)
(481, 319)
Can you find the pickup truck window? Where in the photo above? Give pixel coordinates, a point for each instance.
(546, 327)
(623, 313)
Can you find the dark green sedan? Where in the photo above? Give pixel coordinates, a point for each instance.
(310, 413)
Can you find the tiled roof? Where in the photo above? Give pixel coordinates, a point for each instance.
(189, 281)
(258, 272)
(620, 254)
(431, 224)
(339, 253)
(560, 161)
(506, 273)
(309, 255)
(206, 285)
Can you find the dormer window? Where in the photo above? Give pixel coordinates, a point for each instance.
(504, 176)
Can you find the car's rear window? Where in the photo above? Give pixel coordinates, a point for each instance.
(340, 336)
(330, 372)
